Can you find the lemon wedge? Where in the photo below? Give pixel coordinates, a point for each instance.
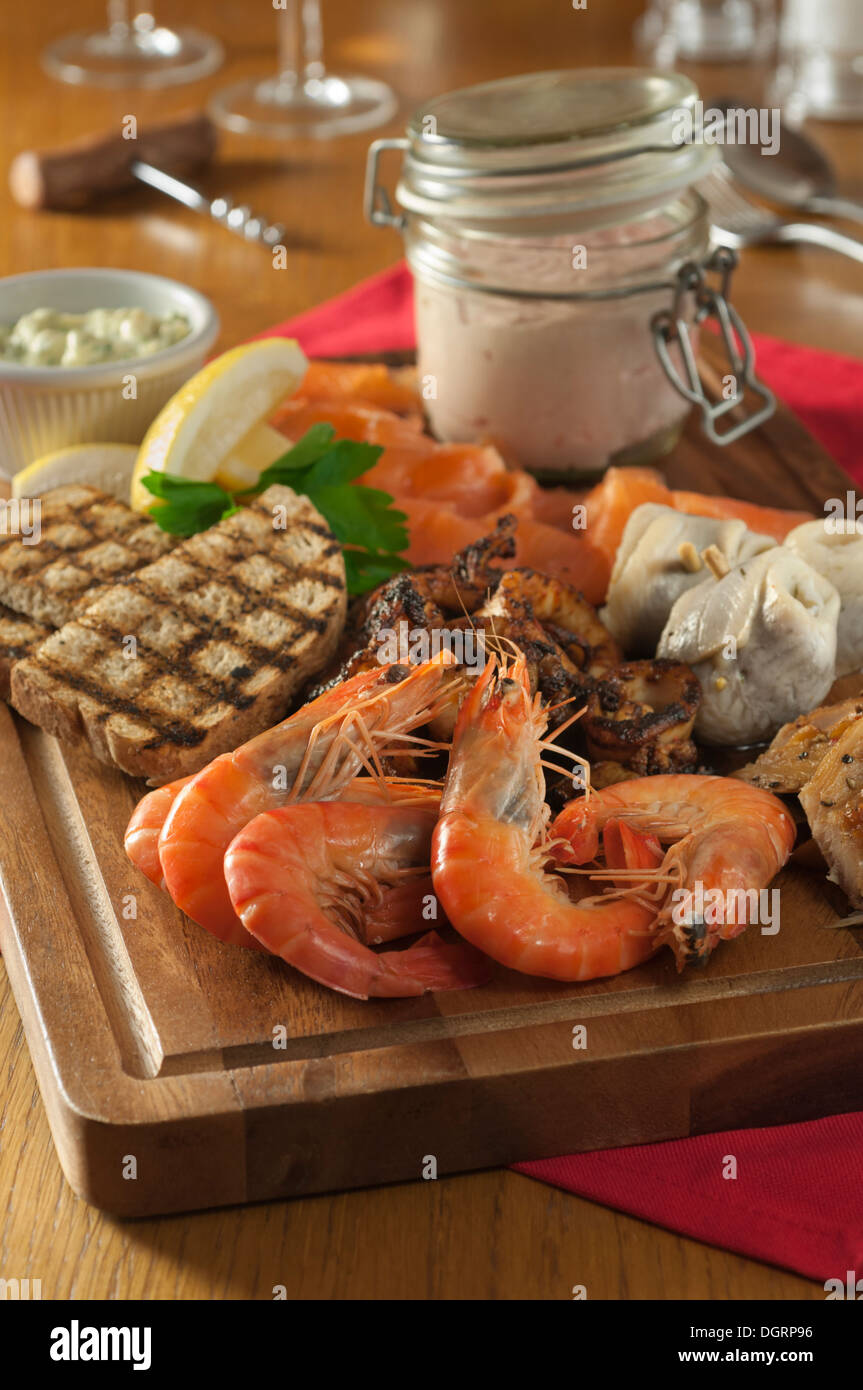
(106, 466)
(202, 426)
(255, 452)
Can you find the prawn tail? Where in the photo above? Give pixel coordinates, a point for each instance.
(438, 965)
(397, 913)
(141, 840)
(574, 833)
(142, 848)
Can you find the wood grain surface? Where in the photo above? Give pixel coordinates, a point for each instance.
(488, 1235)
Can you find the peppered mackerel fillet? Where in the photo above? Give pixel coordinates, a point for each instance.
(198, 651)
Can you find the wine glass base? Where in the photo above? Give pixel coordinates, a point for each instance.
(319, 108)
(154, 57)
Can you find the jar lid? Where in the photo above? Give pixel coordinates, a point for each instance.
(553, 142)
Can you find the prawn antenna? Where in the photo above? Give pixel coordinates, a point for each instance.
(461, 603)
(549, 746)
(552, 767)
(573, 718)
(496, 642)
(424, 784)
(370, 745)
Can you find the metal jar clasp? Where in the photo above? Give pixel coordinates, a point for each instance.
(670, 326)
(377, 204)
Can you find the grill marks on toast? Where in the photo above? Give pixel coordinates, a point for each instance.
(227, 626)
(180, 663)
(19, 636)
(88, 539)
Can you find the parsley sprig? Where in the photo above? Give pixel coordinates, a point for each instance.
(363, 519)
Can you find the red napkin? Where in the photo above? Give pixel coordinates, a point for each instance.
(377, 315)
(797, 1199)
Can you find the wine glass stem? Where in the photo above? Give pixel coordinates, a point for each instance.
(118, 19)
(301, 42)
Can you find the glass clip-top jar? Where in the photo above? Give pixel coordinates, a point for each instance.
(562, 263)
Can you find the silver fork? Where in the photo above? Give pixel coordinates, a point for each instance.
(738, 222)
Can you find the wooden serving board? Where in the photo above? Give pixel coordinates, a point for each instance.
(154, 1043)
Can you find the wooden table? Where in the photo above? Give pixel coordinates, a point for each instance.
(486, 1235)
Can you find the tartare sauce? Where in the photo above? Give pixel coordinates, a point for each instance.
(50, 338)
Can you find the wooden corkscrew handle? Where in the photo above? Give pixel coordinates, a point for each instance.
(79, 174)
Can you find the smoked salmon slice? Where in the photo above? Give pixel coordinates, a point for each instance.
(610, 504)
(454, 494)
(350, 420)
(468, 477)
(368, 383)
(770, 521)
(437, 533)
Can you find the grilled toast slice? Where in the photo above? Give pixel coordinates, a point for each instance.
(86, 539)
(19, 637)
(198, 651)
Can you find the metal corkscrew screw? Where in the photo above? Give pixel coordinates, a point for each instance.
(246, 223)
(238, 219)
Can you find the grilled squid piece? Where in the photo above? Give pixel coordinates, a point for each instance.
(468, 606)
(762, 641)
(420, 601)
(563, 641)
(660, 557)
(524, 595)
(641, 716)
(421, 597)
(839, 558)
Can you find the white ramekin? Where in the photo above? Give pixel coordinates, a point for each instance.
(45, 408)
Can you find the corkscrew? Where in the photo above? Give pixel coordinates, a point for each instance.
(239, 219)
(160, 156)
